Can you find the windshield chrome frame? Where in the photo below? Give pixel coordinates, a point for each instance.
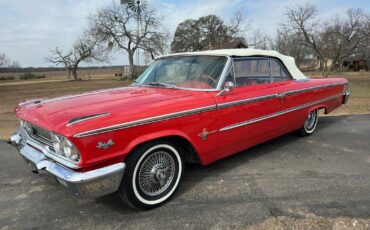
(224, 73)
(219, 83)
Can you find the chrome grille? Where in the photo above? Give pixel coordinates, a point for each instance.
(40, 135)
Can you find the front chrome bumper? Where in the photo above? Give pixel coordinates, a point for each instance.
(94, 183)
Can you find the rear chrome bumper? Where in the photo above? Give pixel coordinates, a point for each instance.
(346, 97)
(94, 183)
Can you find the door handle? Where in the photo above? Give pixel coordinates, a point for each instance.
(281, 96)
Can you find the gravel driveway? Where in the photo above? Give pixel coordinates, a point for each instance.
(326, 174)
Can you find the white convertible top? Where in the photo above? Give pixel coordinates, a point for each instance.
(287, 60)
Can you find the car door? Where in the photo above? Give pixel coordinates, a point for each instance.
(243, 112)
(288, 90)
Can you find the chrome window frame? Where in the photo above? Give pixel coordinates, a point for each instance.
(225, 71)
(268, 58)
(290, 77)
(220, 80)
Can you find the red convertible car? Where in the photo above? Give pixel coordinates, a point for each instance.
(187, 107)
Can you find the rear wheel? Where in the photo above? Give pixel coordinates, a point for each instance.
(310, 123)
(153, 173)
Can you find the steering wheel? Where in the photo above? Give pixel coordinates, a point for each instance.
(209, 78)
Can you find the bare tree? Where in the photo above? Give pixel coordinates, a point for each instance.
(239, 24)
(302, 19)
(14, 64)
(4, 60)
(58, 57)
(258, 40)
(157, 45)
(342, 36)
(115, 25)
(84, 50)
(292, 44)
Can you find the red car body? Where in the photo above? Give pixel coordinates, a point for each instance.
(139, 103)
(212, 125)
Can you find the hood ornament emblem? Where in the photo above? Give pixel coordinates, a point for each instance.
(105, 145)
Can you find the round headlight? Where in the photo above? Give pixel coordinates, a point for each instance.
(65, 148)
(70, 150)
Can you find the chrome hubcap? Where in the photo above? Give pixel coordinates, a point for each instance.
(310, 121)
(156, 173)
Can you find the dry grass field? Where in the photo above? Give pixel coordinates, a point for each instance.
(11, 92)
(11, 95)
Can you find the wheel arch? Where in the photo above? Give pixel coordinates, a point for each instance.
(319, 107)
(191, 154)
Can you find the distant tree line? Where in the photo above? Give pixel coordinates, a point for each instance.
(326, 44)
(331, 42)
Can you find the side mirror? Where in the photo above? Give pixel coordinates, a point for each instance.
(228, 87)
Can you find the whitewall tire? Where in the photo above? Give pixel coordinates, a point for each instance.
(310, 123)
(152, 175)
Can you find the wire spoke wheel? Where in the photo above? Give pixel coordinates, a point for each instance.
(152, 175)
(310, 122)
(156, 173)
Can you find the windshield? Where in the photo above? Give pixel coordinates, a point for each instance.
(198, 72)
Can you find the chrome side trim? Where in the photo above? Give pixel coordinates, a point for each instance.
(313, 88)
(245, 101)
(145, 121)
(270, 96)
(85, 118)
(192, 111)
(237, 125)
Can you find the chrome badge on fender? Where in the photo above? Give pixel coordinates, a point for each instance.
(105, 145)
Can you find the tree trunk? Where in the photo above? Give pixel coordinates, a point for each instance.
(74, 73)
(132, 66)
(68, 72)
(323, 67)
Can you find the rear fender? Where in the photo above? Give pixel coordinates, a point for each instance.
(320, 106)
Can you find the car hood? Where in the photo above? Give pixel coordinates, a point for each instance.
(116, 106)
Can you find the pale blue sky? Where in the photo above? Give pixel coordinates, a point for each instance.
(29, 29)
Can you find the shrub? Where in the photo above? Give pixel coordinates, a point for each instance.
(28, 75)
(6, 78)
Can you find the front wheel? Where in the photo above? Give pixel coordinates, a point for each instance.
(153, 173)
(310, 123)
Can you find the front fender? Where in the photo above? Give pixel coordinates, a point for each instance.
(156, 135)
